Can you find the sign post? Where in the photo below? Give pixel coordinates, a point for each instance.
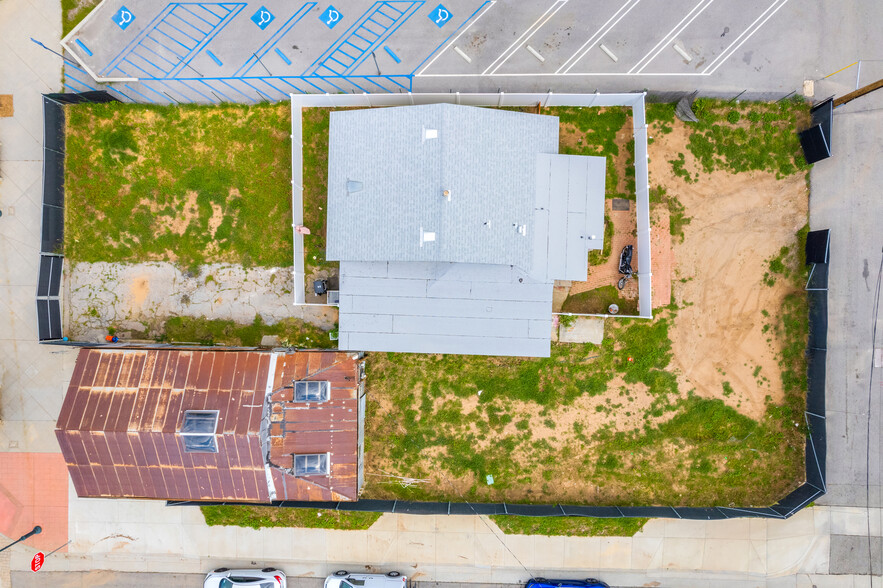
(37, 562)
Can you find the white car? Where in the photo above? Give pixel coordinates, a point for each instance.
(343, 579)
(226, 578)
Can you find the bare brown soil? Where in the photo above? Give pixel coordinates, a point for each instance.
(739, 222)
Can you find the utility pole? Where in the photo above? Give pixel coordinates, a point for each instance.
(858, 93)
(35, 531)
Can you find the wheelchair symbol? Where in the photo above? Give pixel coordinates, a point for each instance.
(330, 17)
(262, 18)
(123, 17)
(440, 16)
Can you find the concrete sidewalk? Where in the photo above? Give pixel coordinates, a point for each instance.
(131, 535)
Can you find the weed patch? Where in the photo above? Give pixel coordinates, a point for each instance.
(291, 332)
(568, 526)
(259, 517)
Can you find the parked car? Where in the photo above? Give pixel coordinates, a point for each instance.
(544, 583)
(344, 579)
(227, 578)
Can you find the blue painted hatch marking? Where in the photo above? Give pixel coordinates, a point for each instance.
(362, 38)
(123, 17)
(440, 16)
(172, 39)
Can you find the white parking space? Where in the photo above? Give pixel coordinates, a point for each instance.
(564, 37)
(601, 37)
(716, 35)
(632, 42)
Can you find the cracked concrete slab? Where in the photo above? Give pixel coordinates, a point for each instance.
(138, 298)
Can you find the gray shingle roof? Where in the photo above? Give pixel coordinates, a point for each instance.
(519, 217)
(485, 158)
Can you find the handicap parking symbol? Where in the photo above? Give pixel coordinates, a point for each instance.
(440, 16)
(330, 17)
(123, 18)
(263, 18)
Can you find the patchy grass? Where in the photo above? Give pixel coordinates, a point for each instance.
(592, 131)
(749, 136)
(569, 526)
(187, 184)
(677, 214)
(258, 517)
(73, 11)
(598, 300)
(427, 421)
(291, 332)
(315, 196)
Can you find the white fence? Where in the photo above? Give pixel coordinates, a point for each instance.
(633, 100)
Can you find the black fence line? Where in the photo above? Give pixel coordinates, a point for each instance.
(52, 233)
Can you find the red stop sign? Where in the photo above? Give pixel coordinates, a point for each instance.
(37, 562)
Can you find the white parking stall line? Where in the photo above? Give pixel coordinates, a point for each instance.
(739, 41)
(605, 28)
(454, 40)
(674, 32)
(525, 36)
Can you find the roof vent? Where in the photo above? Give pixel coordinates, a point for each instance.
(522, 230)
(429, 134)
(353, 186)
(426, 236)
(447, 195)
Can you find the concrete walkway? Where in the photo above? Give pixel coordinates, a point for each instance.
(141, 296)
(131, 535)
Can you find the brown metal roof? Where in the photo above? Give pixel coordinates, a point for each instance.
(326, 427)
(119, 422)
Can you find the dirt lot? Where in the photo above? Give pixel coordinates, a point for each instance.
(738, 223)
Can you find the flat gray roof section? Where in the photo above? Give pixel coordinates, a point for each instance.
(388, 169)
(414, 307)
(569, 215)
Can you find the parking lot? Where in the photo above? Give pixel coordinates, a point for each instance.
(253, 51)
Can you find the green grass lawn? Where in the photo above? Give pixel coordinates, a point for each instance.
(315, 196)
(291, 332)
(73, 11)
(597, 301)
(187, 184)
(258, 517)
(569, 526)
